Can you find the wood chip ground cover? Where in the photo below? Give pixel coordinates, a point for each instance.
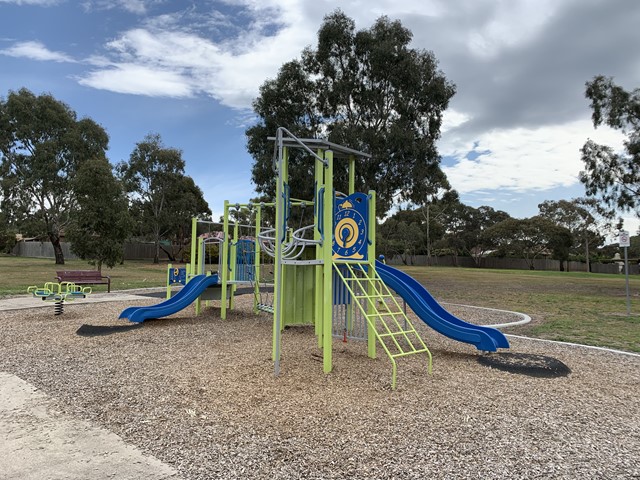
(199, 393)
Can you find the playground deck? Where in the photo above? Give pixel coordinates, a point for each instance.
(199, 394)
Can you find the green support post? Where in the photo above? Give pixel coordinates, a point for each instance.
(352, 174)
(169, 267)
(194, 244)
(371, 254)
(199, 271)
(223, 262)
(233, 257)
(352, 190)
(256, 261)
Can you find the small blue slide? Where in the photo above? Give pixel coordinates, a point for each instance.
(185, 297)
(433, 314)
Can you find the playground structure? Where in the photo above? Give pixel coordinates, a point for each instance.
(325, 270)
(59, 293)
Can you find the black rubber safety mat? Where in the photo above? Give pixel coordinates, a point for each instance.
(526, 364)
(162, 294)
(98, 330)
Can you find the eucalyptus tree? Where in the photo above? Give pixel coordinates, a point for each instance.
(42, 146)
(613, 177)
(530, 238)
(365, 89)
(163, 199)
(580, 217)
(102, 222)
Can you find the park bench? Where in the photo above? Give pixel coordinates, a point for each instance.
(84, 277)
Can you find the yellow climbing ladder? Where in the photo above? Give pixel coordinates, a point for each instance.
(385, 318)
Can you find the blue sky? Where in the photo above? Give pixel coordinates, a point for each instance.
(189, 71)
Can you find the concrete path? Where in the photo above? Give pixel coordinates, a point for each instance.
(38, 442)
(29, 301)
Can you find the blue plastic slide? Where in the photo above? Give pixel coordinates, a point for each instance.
(433, 314)
(185, 297)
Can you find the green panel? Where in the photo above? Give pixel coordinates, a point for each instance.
(298, 306)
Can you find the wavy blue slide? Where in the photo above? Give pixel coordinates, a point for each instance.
(185, 297)
(433, 314)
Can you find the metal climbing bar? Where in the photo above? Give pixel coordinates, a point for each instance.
(392, 328)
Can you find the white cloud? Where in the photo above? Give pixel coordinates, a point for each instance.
(36, 51)
(231, 71)
(138, 80)
(191, 52)
(521, 159)
(452, 119)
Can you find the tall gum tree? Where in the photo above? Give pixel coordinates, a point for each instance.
(102, 222)
(580, 217)
(162, 197)
(367, 90)
(613, 177)
(42, 145)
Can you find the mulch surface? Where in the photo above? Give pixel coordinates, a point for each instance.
(200, 394)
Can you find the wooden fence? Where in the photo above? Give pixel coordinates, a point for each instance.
(132, 251)
(511, 264)
(146, 251)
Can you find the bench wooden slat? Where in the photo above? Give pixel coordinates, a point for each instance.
(84, 277)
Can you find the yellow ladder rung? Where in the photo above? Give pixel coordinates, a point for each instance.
(404, 354)
(398, 334)
(372, 297)
(385, 314)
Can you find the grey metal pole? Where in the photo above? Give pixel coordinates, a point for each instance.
(626, 274)
(277, 288)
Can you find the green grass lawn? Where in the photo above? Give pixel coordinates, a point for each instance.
(575, 307)
(17, 273)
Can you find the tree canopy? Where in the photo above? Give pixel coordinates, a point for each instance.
(163, 198)
(102, 222)
(42, 146)
(613, 177)
(366, 90)
(453, 227)
(531, 238)
(580, 218)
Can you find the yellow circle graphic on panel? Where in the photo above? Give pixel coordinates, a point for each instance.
(346, 233)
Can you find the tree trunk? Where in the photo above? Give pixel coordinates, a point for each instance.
(428, 239)
(57, 248)
(156, 256)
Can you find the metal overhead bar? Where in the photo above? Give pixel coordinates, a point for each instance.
(309, 143)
